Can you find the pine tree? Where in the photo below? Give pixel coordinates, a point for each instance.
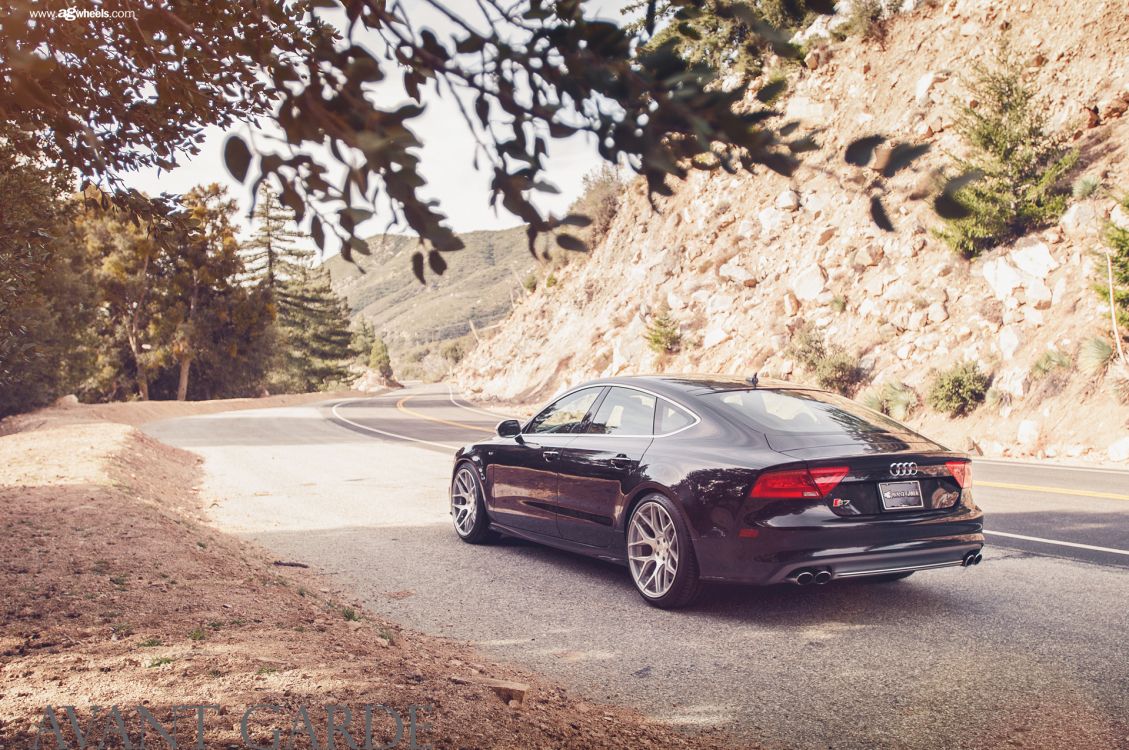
(379, 359)
(315, 344)
(271, 253)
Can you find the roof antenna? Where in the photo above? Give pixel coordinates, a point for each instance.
(753, 379)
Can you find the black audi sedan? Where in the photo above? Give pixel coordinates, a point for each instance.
(710, 478)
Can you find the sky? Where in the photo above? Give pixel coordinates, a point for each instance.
(446, 156)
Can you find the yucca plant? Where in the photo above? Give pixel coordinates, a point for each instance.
(1095, 355)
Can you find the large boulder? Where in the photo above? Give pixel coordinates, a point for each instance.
(1003, 278)
(1033, 258)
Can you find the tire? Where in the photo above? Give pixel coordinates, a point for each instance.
(657, 535)
(888, 577)
(468, 511)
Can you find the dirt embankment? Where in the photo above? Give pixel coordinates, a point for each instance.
(116, 592)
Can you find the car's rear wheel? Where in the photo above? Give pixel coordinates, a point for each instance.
(467, 508)
(660, 554)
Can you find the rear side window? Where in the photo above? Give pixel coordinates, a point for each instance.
(671, 418)
(624, 412)
(566, 413)
(800, 411)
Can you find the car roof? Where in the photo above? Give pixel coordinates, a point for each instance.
(697, 384)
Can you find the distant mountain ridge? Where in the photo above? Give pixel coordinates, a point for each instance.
(480, 285)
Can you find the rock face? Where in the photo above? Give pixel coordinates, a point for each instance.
(743, 261)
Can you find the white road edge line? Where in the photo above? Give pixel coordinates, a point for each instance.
(1061, 544)
(358, 425)
(467, 407)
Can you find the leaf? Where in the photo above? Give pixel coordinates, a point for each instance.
(317, 233)
(417, 265)
(902, 155)
(861, 151)
(576, 220)
(435, 260)
(878, 213)
(571, 242)
(237, 157)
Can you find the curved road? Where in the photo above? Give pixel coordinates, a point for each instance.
(1027, 649)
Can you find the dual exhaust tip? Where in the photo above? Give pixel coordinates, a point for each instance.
(818, 576)
(972, 558)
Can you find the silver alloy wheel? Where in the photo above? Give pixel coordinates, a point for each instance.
(652, 549)
(464, 501)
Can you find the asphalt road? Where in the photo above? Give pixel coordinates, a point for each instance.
(1027, 649)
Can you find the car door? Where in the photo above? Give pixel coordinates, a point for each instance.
(595, 467)
(523, 472)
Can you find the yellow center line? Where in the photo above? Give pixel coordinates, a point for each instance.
(1051, 490)
(400, 406)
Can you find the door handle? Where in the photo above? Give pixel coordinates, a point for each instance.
(621, 462)
(551, 455)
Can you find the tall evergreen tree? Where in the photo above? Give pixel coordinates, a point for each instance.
(313, 344)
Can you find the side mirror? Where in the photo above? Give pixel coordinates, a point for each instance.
(509, 428)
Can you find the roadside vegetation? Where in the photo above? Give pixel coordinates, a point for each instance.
(663, 334)
(102, 309)
(959, 390)
(1116, 290)
(831, 365)
(894, 399)
(1021, 166)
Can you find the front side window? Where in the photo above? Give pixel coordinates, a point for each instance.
(566, 413)
(624, 412)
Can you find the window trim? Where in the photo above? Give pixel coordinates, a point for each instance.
(600, 400)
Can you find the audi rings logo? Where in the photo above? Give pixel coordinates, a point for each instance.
(903, 469)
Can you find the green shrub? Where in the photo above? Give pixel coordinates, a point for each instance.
(959, 390)
(1084, 187)
(380, 360)
(867, 19)
(551, 281)
(530, 283)
(896, 400)
(833, 368)
(662, 334)
(1021, 164)
(839, 372)
(1094, 355)
(1048, 362)
(1118, 266)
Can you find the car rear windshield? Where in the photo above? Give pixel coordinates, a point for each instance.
(802, 412)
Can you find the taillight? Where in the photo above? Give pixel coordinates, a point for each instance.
(798, 483)
(961, 471)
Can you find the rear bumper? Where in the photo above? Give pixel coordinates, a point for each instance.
(845, 550)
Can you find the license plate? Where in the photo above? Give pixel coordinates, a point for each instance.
(900, 495)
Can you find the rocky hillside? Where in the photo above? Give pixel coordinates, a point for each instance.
(746, 263)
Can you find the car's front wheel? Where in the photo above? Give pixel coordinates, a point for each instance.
(468, 510)
(660, 554)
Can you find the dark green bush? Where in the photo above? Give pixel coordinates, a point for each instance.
(959, 390)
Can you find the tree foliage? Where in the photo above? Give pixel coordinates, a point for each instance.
(379, 359)
(1019, 166)
(120, 96)
(43, 342)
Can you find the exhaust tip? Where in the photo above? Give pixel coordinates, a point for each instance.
(976, 560)
(823, 577)
(804, 577)
(972, 558)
